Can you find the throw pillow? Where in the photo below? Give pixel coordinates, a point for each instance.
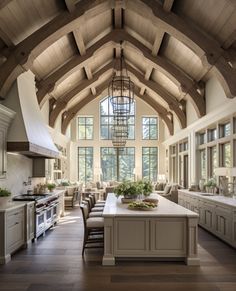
(167, 189)
(159, 187)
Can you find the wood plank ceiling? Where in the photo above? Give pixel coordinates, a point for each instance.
(171, 49)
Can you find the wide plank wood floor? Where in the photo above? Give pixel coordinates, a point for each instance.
(54, 262)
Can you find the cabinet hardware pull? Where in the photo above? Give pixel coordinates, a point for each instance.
(16, 223)
(16, 213)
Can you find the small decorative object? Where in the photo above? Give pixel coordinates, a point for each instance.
(210, 185)
(201, 184)
(151, 200)
(51, 186)
(140, 205)
(4, 193)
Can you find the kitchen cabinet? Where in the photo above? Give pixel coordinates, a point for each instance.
(12, 232)
(216, 214)
(6, 116)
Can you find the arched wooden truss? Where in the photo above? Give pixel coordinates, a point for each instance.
(215, 58)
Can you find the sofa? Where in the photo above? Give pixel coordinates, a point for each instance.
(169, 191)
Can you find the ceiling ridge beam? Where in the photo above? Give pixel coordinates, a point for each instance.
(64, 100)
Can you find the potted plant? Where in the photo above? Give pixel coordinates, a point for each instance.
(51, 186)
(145, 187)
(127, 189)
(210, 185)
(4, 193)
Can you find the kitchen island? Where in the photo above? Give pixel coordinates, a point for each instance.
(166, 232)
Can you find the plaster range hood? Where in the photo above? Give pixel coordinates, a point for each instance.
(28, 133)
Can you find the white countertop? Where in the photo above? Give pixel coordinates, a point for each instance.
(229, 201)
(165, 208)
(15, 204)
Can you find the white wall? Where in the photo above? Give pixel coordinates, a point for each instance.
(218, 107)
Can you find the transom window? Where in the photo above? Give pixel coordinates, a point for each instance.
(106, 120)
(117, 163)
(149, 128)
(85, 127)
(85, 164)
(149, 163)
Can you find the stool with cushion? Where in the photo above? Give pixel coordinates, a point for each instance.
(93, 230)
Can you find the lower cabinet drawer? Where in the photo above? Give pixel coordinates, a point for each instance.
(15, 230)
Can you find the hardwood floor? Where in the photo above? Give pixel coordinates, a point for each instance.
(54, 262)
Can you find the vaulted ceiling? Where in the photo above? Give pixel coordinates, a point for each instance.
(171, 48)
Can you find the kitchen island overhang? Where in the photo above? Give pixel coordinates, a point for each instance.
(168, 232)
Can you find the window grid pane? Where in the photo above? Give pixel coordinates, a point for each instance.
(85, 164)
(117, 164)
(106, 120)
(85, 128)
(149, 128)
(149, 163)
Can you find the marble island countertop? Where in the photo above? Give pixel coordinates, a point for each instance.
(114, 207)
(229, 201)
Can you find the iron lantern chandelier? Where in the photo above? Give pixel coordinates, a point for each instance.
(121, 90)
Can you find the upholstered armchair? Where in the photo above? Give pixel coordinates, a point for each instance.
(71, 196)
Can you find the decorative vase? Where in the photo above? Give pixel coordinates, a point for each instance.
(201, 184)
(4, 201)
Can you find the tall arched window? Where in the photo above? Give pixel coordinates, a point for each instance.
(106, 120)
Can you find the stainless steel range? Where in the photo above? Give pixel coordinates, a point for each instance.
(46, 210)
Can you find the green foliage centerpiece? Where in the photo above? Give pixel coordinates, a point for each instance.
(131, 190)
(4, 193)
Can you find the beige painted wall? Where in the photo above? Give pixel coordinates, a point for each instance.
(142, 109)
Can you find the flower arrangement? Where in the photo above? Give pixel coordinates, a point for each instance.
(4, 193)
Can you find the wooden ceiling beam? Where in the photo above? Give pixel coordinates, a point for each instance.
(163, 113)
(206, 48)
(48, 84)
(175, 74)
(4, 3)
(173, 104)
(68, 115)
(63, 101)
(26, 51)
(159, 63)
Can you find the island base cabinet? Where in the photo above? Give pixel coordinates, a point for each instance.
(150, 238)
(168, 237)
